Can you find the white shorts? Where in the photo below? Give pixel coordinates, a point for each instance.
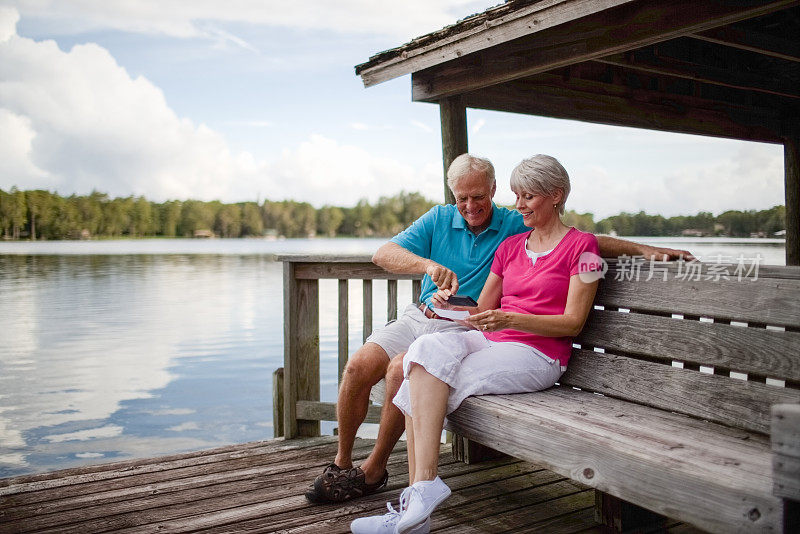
(472, 365)
(396, 337)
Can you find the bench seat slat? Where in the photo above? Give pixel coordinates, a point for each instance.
(692, 472)
(739, 403)
(770, 301)
(749, 350)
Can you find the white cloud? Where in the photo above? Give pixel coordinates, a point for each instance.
(78, 121)
(8, 23)
(480, 123)
(181, 18)
(323, 171)
(752, 179)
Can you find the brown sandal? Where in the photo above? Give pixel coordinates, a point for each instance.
(338, 485)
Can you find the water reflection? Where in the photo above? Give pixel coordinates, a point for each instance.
(104, 356)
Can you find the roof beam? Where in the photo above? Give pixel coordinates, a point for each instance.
(713, 64)
(565, 97)
(499, 25)
(752, 41)
(622, 28)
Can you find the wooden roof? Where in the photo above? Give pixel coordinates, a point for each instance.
(709, 67)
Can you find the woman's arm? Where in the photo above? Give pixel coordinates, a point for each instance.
(489, 299)
(579, 302)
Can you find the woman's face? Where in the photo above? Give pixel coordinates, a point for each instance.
(536, 209)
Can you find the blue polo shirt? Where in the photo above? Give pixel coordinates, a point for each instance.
(442, 235)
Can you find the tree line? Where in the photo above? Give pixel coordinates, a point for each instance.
(40, 214)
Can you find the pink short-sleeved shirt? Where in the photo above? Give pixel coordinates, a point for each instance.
(539, 288)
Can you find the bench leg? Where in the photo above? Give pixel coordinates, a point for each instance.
(470, 452)
(616, 515)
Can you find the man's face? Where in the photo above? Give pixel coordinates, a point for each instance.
(474, 200)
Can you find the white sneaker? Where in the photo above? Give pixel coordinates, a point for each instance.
(387, 523)
(424, 496)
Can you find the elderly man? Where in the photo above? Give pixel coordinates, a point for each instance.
(453, 247)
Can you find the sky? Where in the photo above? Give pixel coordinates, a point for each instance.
(247, 100)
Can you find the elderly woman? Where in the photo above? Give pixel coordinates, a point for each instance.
(535, 300)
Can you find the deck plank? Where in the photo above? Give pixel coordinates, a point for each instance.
(258, 487)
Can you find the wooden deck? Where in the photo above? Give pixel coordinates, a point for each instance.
(258, 487)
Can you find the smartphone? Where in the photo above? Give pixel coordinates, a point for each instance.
(461, 300)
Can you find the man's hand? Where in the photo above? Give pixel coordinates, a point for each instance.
(443, 277)
(665, 254)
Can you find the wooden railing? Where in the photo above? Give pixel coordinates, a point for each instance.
(302, 409)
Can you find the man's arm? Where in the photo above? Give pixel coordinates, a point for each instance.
(611, 247)
(397, 259)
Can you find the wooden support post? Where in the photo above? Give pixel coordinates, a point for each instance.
(453, 116)
(471, 452)
(616, 515)
(277, 403)
(301, 350)
(785, 439)
(791, 156)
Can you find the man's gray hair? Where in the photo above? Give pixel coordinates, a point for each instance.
(466, 164)
(541, 175)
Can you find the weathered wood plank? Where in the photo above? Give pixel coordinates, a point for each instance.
(238, 508)
(301, 349)
(785, 439)
(358, 271)
(764, 352)
(326, 411)
(771, 301)
(517, 23)
(180, 486)
(742, 404)
(715, 494)
(416, 290)
(81, 475)
(624, 28)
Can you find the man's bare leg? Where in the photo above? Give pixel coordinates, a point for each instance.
(364, 369)
(391, 427)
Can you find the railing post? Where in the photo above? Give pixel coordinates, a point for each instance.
(301, 350)
(277, 403)
(344, 326)
(367, 309)
(391, 300)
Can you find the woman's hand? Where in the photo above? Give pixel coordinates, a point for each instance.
(490, 320)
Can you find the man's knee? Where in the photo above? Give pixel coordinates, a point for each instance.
(366, 366)
(394, 373)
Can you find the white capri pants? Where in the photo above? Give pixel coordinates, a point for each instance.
(472, 365)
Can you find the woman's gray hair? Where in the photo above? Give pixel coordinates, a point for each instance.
(541, 175)
(466, 164)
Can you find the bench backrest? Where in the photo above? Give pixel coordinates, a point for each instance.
(719, 342)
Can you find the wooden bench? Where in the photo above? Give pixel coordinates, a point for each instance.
(667, 400)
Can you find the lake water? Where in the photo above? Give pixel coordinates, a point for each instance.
(112, 350)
